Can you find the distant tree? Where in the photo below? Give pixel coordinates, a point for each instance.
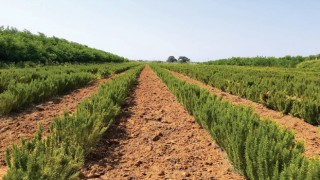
(183, 59)
(171, 59)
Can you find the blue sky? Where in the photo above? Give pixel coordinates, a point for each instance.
(155, 29)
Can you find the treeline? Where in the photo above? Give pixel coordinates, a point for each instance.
(259, 149)
(20, 46)
(62, 152)
(290, 91)
(287, 61)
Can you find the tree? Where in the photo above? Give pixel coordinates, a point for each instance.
(183, 59)
(171, 59)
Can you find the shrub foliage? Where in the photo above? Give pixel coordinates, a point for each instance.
(259, 149)
(290, 91)
(19, 46)
(61, 153)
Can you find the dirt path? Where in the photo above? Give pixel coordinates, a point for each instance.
(303, 131)
(25, 123)
(155, 138)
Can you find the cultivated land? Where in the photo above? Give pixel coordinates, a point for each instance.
(154, 135)
(25, 123)
(155, 138)
(305, 132)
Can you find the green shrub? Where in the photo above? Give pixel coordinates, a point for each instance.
(312, 64)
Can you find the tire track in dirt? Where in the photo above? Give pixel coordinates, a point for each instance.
(303, 130)
(24, 124)
(155, 138)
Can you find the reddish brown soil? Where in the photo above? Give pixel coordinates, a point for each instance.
(155, 138)
(303, 131)
(3, 171)
(24, 124)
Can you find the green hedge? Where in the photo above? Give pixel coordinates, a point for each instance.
(259, 149)
(310, 65)
(61, 153)
(290, 91)
(21, 46)
(21, 87)
(286, 61)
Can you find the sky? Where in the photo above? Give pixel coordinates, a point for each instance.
(202, 30)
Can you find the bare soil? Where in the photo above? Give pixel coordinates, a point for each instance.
(303, 130)
(3, 171)
(24, 124)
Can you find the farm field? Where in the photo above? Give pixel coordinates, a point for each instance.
(24, 123)
(155, 138)
(21, 87)
(95, 113)
(159, 90)
(304, 131)
(150, 121)
(288, 90)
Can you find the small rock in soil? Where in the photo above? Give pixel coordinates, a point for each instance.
(157, 137)
(138, 163)
(4, 129)
(146, 117)
(161, 173)
(186, 174)
(149, 148)
(40, 107)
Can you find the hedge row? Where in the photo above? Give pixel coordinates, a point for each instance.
(21, 87)
(259, 149)
(290, 91)
(21, 46)
(61, 153)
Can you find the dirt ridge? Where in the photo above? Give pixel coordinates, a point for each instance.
(303, 130)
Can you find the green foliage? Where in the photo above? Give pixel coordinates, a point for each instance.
(259, 149)
(21, 87)
(61, 153)
(17, 46)
(287, 61)
(171, 59)
(290, 91)
(313, 65)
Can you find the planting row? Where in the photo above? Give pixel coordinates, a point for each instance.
(290, 91)
(61, 153)
(20, 87)
(258, 149)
